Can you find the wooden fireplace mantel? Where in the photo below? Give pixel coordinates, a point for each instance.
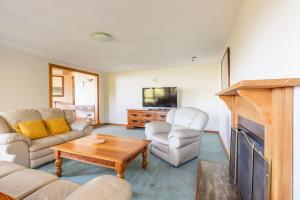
(269, 103)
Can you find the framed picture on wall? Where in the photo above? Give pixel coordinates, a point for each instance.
(57, 86)
(225, 69)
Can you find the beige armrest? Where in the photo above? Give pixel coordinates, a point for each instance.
(185, 133)
(153, 128)
(80, 125)
(7, 138)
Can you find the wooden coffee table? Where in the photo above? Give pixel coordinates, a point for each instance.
(115, 153)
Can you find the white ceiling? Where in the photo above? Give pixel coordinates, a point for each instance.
(147, 33)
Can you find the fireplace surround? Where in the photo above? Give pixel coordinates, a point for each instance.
(268, 103)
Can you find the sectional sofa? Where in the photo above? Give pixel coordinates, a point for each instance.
(20, 182)
(17, 148)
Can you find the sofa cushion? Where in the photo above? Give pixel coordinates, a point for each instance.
(8, 167)
(4, 126)
(70, 135)
(22, 183)
(69, 116)
(56, 190)
(51, 113)
(42, 160)
(103, 188)
(57, 126)
(43, 143)
(40, 153)
(16, 116)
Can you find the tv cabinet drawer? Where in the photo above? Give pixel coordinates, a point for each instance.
(161, 116)
(135, 115)
(135, 122)
(139, 117)
(148, 116)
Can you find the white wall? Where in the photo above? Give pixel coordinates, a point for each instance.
(197, 86)
(264, 44)
(24, 81)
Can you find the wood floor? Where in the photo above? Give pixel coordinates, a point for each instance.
(213, 182)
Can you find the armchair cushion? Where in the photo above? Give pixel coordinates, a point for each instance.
(157, 127)
(181, 142)
(185, 133)
(79, 125)
(7, 138)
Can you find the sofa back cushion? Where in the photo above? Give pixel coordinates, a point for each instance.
(4, 126)
(17, 116)
(69, 116)
(51, 113)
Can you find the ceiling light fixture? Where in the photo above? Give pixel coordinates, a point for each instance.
(101, 36)
(194, 58)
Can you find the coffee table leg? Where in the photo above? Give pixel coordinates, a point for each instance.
(120, 169)
(144, 155)
(58, 164)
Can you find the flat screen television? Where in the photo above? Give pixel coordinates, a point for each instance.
(160, 97)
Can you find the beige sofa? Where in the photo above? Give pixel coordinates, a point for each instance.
(29, 184)
(17, 148)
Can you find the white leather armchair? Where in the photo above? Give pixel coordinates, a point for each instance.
(178, 139)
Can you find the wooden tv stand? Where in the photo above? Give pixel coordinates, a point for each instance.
(139, 117)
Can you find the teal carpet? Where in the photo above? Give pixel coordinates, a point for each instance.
(160, 181)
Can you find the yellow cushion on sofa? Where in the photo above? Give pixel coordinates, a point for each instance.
(57, 126)
(32, 129)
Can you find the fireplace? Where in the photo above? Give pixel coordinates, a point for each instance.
(268, 103)
(248, 167)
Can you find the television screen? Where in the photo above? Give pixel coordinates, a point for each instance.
(160, 97)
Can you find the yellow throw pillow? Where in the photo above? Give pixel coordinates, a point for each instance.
(57, 126)
(32, 129)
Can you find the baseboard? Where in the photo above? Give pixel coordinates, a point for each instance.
(97, 125)
(211, 131)
(224, 147)
(114, 124)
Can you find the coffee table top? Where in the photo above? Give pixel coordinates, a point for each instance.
(117, 149)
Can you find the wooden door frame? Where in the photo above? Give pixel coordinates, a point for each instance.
(51, 66)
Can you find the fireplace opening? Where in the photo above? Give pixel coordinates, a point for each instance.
(248, 167)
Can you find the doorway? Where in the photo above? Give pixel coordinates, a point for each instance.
(75, 90)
